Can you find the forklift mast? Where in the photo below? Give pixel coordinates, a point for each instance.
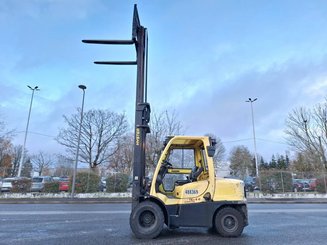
(142, 107)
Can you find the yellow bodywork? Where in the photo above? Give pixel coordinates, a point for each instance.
(191, 190)
(206, 184)
(229, 190)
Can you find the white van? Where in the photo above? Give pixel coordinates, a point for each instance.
(7, 184)
(38, 183)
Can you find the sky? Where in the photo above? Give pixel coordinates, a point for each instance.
(206, 58)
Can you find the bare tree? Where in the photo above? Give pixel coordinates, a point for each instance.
(101, 129)
(241, 161)
(4, 133)
(305, 162)
(41, 162)
(219, 153)
(17, 154)
(2, 127)
(63, 166)
(122, 160)
(27, 167)
(162, 124)
(306, 131)
(6, 149)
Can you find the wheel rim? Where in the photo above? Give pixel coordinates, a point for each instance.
(147, 219)
(229, 223)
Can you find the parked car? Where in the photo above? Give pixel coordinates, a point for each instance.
(250, 183)
(300, 185)
(7, 184)
(55, 178)
(64, 184)
(38, 183)
(312, 184)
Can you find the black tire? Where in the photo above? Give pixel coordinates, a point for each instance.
(147, 220)
(229, 222)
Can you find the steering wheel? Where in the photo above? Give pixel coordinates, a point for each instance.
(166, 164)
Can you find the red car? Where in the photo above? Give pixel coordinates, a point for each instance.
(64, 184)
(313, 184)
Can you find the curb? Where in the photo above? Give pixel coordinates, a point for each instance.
(287, 200)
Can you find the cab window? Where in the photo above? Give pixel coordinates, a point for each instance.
(182, 158)
(179, 159)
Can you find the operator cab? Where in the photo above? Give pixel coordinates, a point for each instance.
(184, 171)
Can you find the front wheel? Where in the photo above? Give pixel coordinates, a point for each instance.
(147, 220)
(229, 222)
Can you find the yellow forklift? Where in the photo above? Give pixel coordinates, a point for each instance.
(184, 190)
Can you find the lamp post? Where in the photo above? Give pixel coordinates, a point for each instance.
(83, 87)
(36, 88)
(254, 141)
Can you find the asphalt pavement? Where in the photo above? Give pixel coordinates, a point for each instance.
(298, 224)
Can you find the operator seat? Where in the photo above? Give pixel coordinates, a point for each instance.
(196, 171)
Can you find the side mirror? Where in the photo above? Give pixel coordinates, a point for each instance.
(211, 150)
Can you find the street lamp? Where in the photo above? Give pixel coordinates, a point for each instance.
(254, 141)
(83, 87)
(36, 88)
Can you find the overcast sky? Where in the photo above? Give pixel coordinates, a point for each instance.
(206, 58)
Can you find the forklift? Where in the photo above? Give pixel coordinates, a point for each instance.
(184, 190)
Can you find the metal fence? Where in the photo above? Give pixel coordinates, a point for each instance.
(278, 181)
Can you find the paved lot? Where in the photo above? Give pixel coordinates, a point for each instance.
(108, 224)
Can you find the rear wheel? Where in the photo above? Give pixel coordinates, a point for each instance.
(229, 222)
(147, 220)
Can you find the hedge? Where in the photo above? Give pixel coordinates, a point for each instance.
(321, 188)
(52, 187)
(273, 182)
(86, 183)
(117, 182)
(21, 185)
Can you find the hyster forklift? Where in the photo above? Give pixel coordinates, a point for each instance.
(184, 191)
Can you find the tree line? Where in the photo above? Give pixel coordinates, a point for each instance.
(242, 162)
(306, 135)
(107, 141)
